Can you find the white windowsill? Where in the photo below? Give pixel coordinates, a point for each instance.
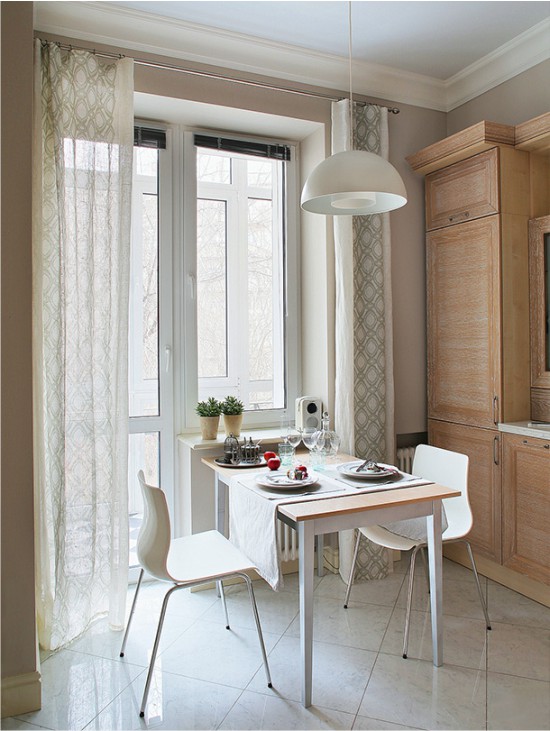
(195, 441)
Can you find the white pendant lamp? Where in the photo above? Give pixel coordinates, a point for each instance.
(354, 182)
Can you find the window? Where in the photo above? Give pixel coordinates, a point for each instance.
(244, 273)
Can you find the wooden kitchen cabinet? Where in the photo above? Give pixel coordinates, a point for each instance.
(463, 191)
(464, 364)
(478, 305)
(526, 506)
(484, 479)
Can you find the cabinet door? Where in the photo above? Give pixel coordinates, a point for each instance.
(526, 506)
(463, 191)
(464, 363)
(483, 448)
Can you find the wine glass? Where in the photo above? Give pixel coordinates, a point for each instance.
(293, 435)
(310, 435)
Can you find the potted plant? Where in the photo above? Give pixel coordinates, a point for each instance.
(209, 412)
(232, 410)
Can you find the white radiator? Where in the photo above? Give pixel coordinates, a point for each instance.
(405, 456)
(287, 537)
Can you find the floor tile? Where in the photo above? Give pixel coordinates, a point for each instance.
(374, 724)
(464, 639)
(174, 702)
(75, 687)
(508, 606)
(104, 642)
(257, 711)
(340, 674)
(517, 703)
(415, 693)
(460, 598)
(377, 591)
(277, 609)
(361, 625)
(522, 651)
(208, 651)
(15, 724)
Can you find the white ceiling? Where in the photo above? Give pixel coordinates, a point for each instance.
(433, 54)
(437, 39)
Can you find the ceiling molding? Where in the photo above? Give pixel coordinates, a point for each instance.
(522, 53)
(127, 28)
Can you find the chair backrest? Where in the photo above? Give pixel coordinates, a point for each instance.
(449, 469)
(154, 537)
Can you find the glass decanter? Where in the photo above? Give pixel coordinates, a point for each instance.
(327, 442)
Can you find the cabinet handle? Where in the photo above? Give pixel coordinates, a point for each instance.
(463, 214)
(495, 409)
(495, 451)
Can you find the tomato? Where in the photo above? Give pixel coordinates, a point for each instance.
(274, 463)
(269, 455)
(302, 468)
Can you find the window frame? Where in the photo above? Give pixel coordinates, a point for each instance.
(187, 268)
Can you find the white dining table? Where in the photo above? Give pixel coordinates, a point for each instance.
(311, 518)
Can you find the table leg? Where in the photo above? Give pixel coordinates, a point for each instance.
(435, 558)
(219, 512)
(320, 558)
(219, 499)
(306, 545)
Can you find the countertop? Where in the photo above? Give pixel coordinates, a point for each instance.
(527, 428)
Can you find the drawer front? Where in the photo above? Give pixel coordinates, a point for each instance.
(464, 191)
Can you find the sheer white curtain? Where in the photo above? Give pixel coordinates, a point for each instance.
(364, 404)
(81, 256)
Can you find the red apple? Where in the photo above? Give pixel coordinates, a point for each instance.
(269, 455)
(274, 463)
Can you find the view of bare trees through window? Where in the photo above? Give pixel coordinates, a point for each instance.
(239, 278)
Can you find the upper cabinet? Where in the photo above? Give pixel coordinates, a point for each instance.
(463, 192)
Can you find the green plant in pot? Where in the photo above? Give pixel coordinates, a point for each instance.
(209, 412)
(232, 410)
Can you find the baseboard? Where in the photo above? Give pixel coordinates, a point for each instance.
(501, 574)
(21, 694)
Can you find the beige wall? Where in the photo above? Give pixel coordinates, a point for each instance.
(18, 605)
(524, 97)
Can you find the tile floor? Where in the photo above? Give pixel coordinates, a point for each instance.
(209, 678)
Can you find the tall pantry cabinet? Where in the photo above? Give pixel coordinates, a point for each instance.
(477, 212)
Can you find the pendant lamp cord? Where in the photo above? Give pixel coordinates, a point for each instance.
(350, 79)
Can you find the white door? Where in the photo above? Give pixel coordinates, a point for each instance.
(151, 427)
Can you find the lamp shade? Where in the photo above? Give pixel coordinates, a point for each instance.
(355, 183)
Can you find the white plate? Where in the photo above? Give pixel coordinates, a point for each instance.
(350, 470)
(279, 481)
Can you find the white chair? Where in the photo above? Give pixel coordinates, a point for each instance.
(184, 562)
(446, 468)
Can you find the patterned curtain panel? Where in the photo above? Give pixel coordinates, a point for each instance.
(364, 353)
(81, 253)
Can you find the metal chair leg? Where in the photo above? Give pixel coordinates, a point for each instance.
(352, 570)
(258, 626)
(224, 604)
(138, 586)
(423, 553)
(479, 590)
(155, 649)
(409, 601)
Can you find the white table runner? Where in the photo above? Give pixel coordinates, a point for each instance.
(253, 513)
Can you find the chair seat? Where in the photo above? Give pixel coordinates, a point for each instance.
(203, 557)
(386, 538)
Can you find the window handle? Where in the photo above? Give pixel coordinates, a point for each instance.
(191, 280)
(167, 357)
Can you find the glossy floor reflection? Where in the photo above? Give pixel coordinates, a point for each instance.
(209, 678)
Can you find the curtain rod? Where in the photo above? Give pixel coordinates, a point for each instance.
(211, 75)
